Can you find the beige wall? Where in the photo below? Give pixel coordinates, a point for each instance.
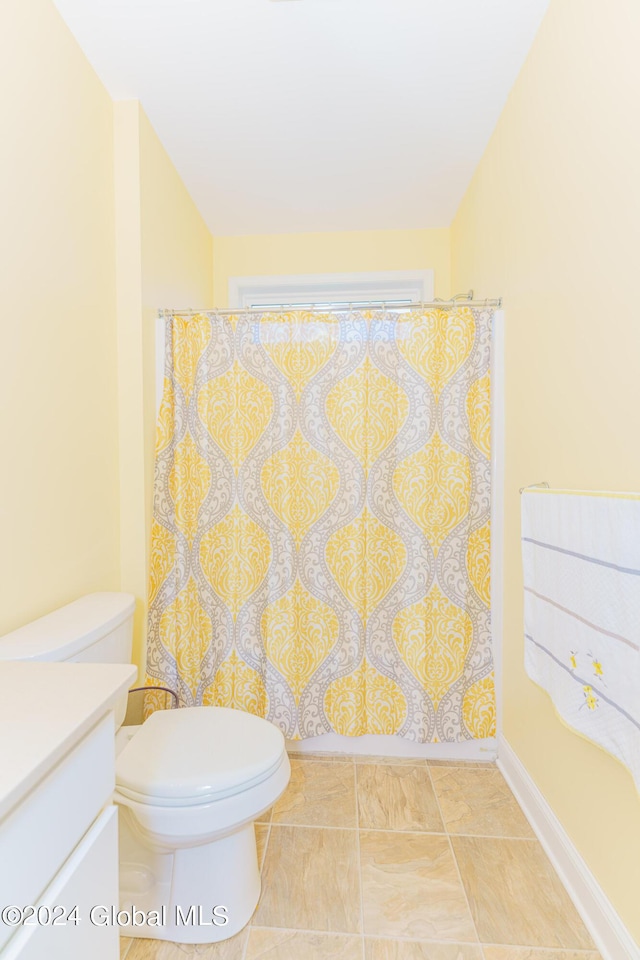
(164, 260)
(551, 221)
(354, 251)
(58, 415)
(99, 231)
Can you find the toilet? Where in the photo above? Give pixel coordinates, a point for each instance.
(189, 785)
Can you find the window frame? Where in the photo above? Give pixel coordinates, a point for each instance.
(332, 289)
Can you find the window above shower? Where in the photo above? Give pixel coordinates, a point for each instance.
(332, 290)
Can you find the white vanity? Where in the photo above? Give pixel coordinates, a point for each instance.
(58, 825)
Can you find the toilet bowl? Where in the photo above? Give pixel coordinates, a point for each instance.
(189, 785)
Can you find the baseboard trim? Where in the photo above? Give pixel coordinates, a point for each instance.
(381, 745)
(609, 933)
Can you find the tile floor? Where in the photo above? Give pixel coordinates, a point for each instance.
(399, 860)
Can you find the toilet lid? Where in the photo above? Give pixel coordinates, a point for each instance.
(197, 754)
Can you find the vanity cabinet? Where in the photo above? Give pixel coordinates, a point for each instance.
(58, 825)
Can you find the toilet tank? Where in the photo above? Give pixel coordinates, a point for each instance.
(97, 628)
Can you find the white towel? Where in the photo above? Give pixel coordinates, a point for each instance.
(581, 557)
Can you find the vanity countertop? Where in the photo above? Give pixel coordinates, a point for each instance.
(45, 709)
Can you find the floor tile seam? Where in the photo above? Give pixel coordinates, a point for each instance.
(467, 943)
(271, 808)
(314, 826)
(262, 865)
(492, 836)
(375, 936)
(245, 948)
(479, 943)
(360, 884)
(266, 847)
(363, 948)
(412, 833)
(530, 946)
(323, 933)
(430, 940)
(455, 861)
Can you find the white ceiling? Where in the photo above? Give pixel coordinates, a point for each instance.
(314, 114)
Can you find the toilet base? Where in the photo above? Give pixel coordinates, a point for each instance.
(167, 888)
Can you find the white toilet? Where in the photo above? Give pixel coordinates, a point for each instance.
(189, 785)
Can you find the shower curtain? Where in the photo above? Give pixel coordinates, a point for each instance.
(321, 529)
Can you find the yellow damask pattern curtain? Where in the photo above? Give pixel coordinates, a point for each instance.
(320, 541)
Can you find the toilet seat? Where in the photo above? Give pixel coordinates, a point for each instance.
(197, 755)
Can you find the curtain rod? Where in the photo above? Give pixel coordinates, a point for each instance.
(463, 299)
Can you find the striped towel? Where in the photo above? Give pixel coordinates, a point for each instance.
(581, 558)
